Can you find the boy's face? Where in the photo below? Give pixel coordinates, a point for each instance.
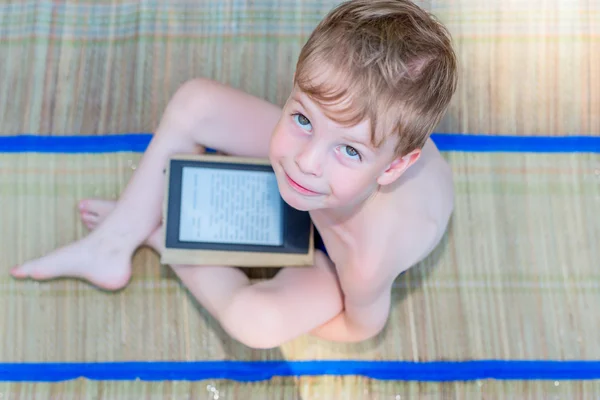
(322, 164)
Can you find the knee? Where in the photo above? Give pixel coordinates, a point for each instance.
(196, 92)
(254, 321)
(192, 103)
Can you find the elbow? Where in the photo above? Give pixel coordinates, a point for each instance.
(363, 332)
(369, 327)
(369, 334)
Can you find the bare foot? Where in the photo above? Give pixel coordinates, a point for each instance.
(97, 258)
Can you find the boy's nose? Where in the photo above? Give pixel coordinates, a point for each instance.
(309, 161)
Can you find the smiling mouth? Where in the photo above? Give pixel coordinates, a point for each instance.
(299, 188)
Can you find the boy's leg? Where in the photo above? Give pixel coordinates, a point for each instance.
(201, 113)
(268, 313)
(262, 315)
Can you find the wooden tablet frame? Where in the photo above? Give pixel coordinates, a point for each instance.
(297, 229)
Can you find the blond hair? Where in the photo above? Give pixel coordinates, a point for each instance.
(386, 61)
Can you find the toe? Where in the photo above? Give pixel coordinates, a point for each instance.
(89, 220)
(88, 217)
(83, 205)
(89, 206)
(97, 207)
(18, 272)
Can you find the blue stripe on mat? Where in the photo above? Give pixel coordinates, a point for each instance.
(438, 371)
(135, 142)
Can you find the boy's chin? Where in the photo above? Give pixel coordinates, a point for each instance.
(298, 202)
(298, 205)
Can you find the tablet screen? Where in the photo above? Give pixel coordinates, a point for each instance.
(230, 207)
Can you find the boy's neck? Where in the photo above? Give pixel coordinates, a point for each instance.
(344, 218)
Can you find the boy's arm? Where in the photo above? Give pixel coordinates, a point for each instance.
(367, 285)
(366, 310)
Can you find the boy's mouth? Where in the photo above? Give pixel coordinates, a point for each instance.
(299, 188)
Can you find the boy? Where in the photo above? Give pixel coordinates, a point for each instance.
(350, 147)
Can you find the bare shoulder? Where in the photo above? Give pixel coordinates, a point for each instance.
(414, 214)
(428, 186)
(400, 228)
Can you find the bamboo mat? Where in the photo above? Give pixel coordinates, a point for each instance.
(516, 277)
(348, 388)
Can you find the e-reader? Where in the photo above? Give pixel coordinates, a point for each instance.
(222, 210)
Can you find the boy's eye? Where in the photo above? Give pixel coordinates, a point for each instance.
(302, 121)
(351, 152)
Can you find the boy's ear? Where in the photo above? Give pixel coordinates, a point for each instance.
(397, 167)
